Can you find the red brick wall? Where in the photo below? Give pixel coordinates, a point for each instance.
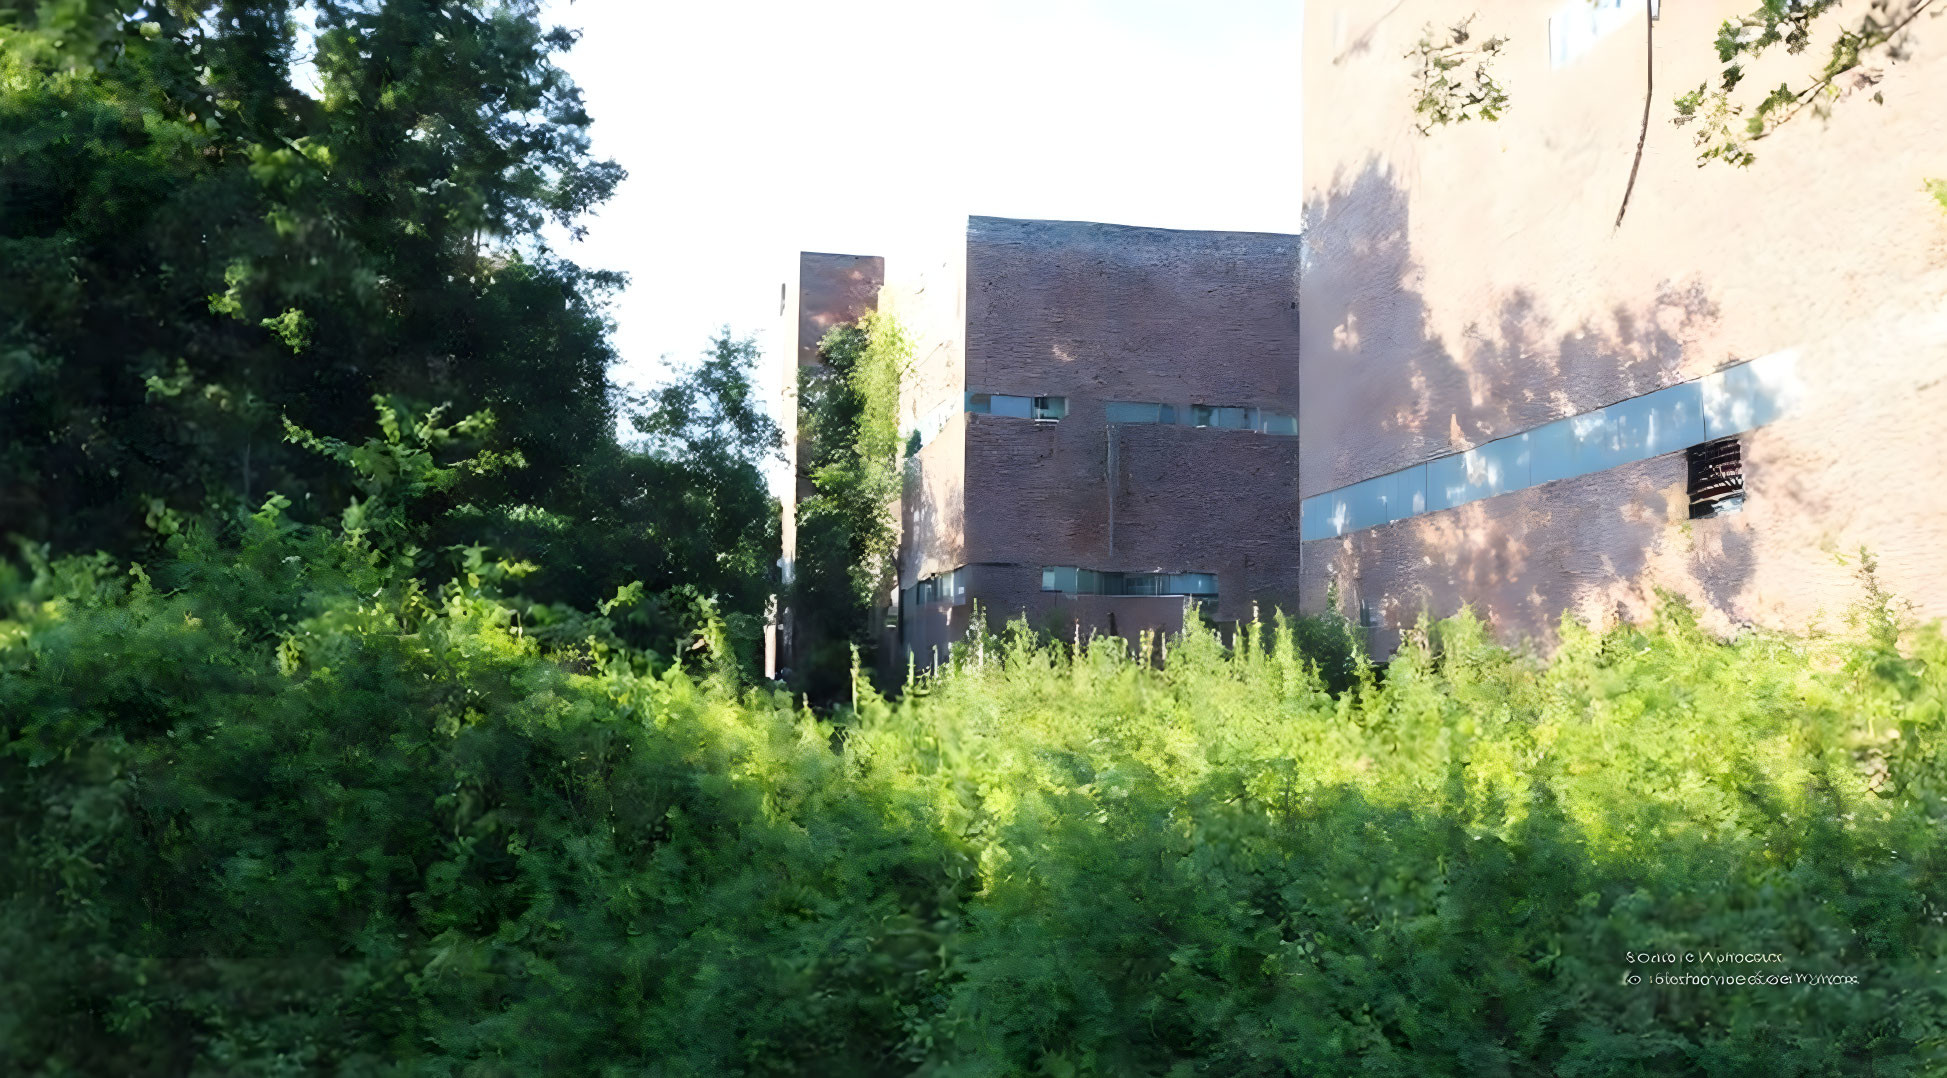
(1106, 312)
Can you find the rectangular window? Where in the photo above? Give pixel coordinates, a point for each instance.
(1579, 24)
(1277, 423)
(1716, 478)
(1074, 581)
(947, 587)
(1005, 404)
(1222, 416)
(1050, 407)
(1140, 412)
(1201, 585)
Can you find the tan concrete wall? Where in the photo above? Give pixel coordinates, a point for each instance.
(926, 293)
(1470, 285)
(933, 511)
(1105, 312)
(830, 289)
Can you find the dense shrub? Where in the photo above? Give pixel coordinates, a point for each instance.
(276, 807)
(280, 809)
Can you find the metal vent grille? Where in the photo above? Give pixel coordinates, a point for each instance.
(1716, 478)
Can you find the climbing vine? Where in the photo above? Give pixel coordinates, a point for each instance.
(849, 451)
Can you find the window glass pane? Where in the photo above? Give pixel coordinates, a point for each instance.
(1201, 415)
(1192, 584)
(1166, 413)
(1233, 418)
(980, 402)
(1050, 407)
(1277, 423)
(1134, 412)
(1059, 578)
(1009, 405)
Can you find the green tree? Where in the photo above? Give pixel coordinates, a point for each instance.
(192, 249)
(850, 450)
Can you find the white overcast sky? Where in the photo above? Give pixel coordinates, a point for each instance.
(753, 129)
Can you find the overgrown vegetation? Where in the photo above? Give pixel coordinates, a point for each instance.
(341, 737)
(275, 805)
(195, 249)
(850, 451)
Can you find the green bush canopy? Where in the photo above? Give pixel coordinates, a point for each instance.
(276, 806)
(430, 746)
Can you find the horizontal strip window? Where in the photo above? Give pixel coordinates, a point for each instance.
(1238, 417)
(947, 587)
(1224, 417)
(1018, 407)
(1229, 417)
(1140, 412)
(1071, 580)
(1719, 405)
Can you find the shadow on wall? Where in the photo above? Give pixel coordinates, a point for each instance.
(1391, 391)
(930, 512)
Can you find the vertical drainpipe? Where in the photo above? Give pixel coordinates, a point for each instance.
(1298, 360)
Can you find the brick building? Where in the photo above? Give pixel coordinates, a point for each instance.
(1504, 399)
(1509, 401)
(1102, 426)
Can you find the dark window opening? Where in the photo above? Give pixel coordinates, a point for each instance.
(1076, 581)
(1716, 478)
(1233, 418)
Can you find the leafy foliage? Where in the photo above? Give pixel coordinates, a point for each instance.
(193, 248)
(282, 809)
(1724, 132)
(194, 251)
(850, 450)
(277, 806)
(1455, 83)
